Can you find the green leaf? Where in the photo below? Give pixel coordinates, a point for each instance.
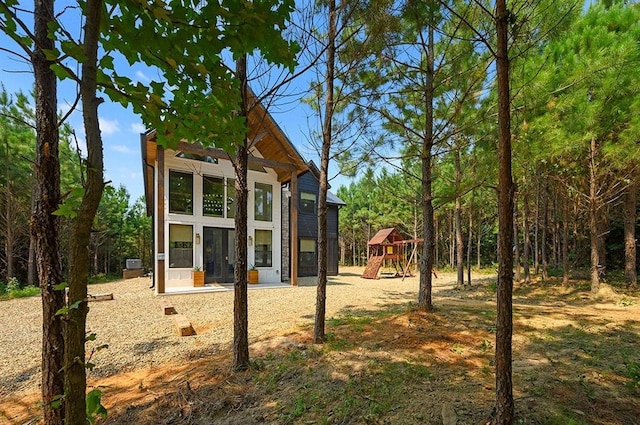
(52, 27)
(61, 72)
(56, 401)
(51, 54)
(71, 204)
(74, 50)
(62, 311)
(106, 62)
(60, 286)
(94, 406)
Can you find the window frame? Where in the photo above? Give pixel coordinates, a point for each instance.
(230, 198)
(304, 207)
(266, 193)
(172, 195)
(207, 179)
(307, 258)
(268, 253)
(184, 245)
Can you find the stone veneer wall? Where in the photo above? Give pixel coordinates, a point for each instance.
(286, 243)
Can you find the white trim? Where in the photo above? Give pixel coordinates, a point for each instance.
(180, 279)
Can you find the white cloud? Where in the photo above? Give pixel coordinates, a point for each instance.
(80, 138)
(64, 107)
(142, 77)
(123, 149)
(137, 128)
(109, 127)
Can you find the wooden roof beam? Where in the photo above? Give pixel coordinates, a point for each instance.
(220, 154)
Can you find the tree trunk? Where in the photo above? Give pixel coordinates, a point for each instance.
(565, 243)
(543, 247)
(557, 232)
(436, 244)
(321, 295)
(603, 222)
(416, 266)
(479, 245)
(536, 241)
(426, 263)
(630, 202)
(10, 223)
(31, 263)
(594, 209)
(75, 325)
(452, 239)
(240, 307)
(470, 243)
(458, 219)
(516, 244)
(526, 252)
(45, 226)
(504, 320)
(353, 249)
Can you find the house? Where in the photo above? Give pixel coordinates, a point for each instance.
(190, 194)
(307, 232)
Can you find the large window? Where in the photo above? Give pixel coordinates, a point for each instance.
(263, 202)
(307, 202)
(263, 248)
(231, 198)
(180, 246)
(180, 192)
(213, 196)
(308, 253)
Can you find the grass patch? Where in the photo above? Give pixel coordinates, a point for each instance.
(369, 396)
(27, 291)
(337, 343)
(13, 289)
(633, 374)
(399, 365)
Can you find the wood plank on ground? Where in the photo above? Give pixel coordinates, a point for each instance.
(167, 308)
(100, 297)
(183, 325)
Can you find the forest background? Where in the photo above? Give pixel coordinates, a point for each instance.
(575, 90)
(438, 83)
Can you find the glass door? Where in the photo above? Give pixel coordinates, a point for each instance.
(219, 254)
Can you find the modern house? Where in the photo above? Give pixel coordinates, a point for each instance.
(190, 194)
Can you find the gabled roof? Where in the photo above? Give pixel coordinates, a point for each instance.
(389, 235)
(331, 197)
(274, 150)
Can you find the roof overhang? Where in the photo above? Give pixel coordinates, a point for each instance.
(271, 146)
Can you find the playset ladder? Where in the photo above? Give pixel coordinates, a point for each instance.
(373, 266)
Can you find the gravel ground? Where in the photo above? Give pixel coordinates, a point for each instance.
(139, 336)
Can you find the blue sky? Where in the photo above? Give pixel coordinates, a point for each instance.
(121, 128)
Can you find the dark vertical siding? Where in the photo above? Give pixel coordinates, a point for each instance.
(308, 227)
(332, 240)
(307, 222)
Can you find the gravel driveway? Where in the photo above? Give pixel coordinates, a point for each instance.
(140, 336)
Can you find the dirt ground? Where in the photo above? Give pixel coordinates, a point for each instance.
(575, 361)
